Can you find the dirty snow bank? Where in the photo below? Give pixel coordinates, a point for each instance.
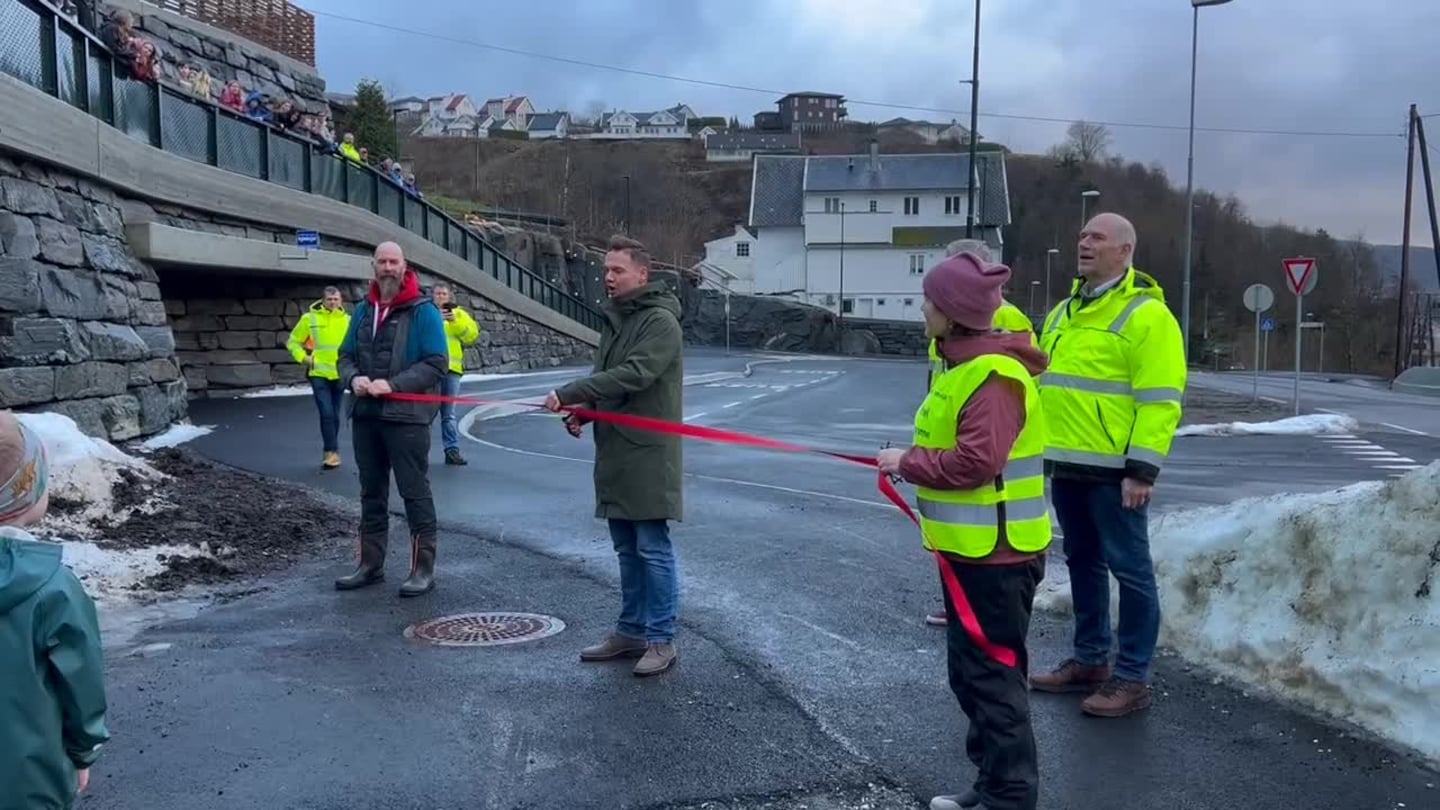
(1315, 424)
(84, 475)
(1329, 599)
(175, 436)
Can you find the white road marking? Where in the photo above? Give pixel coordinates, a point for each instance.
(730, 404)
(1399, 466)
(1404, 429)
(758, 396)
(1276, 401)
(822, 631)
(692, 417)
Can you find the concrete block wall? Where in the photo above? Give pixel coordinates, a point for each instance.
(83, 330)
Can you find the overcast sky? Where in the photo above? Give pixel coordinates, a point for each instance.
(1302, 65)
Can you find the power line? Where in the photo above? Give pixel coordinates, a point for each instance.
(859, 102)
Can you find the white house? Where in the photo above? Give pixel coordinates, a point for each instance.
(543, 126)
(929, 132)
(453, 116)
(722, 147)
(670, 123)
(728, 261)
(863, 229)
(514, 109)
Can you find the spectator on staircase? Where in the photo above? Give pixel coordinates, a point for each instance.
(195, 80)
(257, 107)
(232, 97)
(348, 150)
(288, 117)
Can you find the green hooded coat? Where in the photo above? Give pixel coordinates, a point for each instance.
(52, 688)
(639, 369)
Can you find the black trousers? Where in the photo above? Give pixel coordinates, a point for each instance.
(382, 448)
(995, 697)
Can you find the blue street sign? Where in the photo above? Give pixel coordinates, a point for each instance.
(307, 239)
(1267, 325)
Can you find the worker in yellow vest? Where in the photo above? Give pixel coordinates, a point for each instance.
(977, 462)
(461, 330)
(1008, 318)
(315, 344)
(1114, 389)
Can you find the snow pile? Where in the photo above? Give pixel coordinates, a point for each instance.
(175, 436)
(1316, 424)
(83, 473)
(112, 575)
(1331, 599)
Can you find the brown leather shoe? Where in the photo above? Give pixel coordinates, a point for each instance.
(1117, 698)
(614, 646)
(1071, 676)
(658, 658)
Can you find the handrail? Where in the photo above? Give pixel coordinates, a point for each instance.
(77, 69)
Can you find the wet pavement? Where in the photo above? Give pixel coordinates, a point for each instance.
(806, 674)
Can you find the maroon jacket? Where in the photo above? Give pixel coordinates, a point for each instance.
(989, 423)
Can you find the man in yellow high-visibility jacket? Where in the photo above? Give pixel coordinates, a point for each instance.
(1112, 398)
(315, 344)
(461, 330)
(1008, 318)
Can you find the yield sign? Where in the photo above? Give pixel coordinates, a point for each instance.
(1300, 275)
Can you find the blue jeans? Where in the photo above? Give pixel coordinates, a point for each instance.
(649, 587)
(328, 395)
(1102, 538)
(449, 425)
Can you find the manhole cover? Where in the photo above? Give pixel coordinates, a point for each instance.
(484, 629)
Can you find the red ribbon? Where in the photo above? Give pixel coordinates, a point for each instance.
(963, 608)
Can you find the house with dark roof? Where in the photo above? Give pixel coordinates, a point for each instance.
(741, 145)
(452, 116)
(856, 233)
(544, 126)
(673, 122)
(927, 131)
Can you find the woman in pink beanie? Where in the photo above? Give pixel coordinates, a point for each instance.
(977, 462)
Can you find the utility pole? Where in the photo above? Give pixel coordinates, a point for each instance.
(627, 205)
(1405, 244)
(840, 318)
(1196, 5)
(974, 123)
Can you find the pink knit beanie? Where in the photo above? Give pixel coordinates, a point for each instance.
(967, 289)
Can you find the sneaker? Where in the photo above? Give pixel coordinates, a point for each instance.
(937, 619)
(331, 461)
(1071, 676)
(454, 459)
(1117, 698)
(658, 658)
(614, 646)
(969, 799)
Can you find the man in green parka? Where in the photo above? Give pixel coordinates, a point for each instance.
(639, 370)
(52, 687)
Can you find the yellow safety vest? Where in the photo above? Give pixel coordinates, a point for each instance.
(1116, 379)
(1008, 318)
(463, 330)
(324, 330)
(967, 522)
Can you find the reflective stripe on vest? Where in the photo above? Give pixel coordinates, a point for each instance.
(967, 522)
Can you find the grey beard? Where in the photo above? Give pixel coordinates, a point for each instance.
(389, 287)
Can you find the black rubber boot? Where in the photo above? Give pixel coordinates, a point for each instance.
(371, 568)
(422, 568)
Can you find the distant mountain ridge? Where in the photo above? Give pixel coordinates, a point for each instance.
(1422, 265)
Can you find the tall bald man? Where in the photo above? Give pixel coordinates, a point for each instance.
(1112, 400)
(395, 343)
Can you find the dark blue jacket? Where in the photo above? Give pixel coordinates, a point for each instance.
(409, 351)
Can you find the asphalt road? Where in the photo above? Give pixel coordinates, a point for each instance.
(804, 665)
(1365, 400)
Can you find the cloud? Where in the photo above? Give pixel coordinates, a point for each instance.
(1294, 65)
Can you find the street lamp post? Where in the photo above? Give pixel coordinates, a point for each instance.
(1034, 285)
(840, 318)
(1049, 254)
(627, 205)
(974, 123)
(1085, 197)
(1195, 6)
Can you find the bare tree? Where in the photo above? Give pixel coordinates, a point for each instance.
(1084, 143)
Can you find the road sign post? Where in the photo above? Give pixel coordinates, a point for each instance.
(1300, 276)
(1267, 326)
(309, 240)
(1257, 298)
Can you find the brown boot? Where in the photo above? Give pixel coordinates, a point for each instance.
(658, 658)
(370, 568)
(614, 646)
(1117, 698)
(1071, 676)
(422, 567)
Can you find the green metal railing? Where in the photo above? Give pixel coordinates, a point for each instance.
(43, 48)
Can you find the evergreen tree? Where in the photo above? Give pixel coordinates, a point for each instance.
(371, 121)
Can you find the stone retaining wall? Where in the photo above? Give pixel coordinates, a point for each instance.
(780, 324)
(83, 330)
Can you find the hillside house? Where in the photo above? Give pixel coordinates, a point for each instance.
(726, 147)
(452, 116)
(887, 218)
(549, 125)
(515, 109)
(669, 123)
(928, 132)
